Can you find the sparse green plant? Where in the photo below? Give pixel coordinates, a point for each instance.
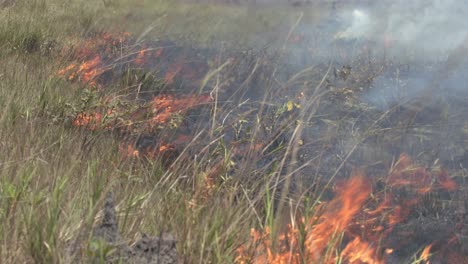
(243, 169)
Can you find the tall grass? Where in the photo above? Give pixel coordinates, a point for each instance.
(54, 177)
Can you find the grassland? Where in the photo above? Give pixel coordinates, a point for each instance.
(54, 177)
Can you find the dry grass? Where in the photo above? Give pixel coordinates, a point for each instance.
(53, 176)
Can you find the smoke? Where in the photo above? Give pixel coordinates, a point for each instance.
(428, 38)
(425, 26)
(429, 35)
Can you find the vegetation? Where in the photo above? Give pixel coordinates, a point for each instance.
(54, 175)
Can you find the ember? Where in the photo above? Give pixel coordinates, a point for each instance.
(426, 253)
(164, 106)
(103, 52)
(130, 151)
(86, 72)
(93, 54)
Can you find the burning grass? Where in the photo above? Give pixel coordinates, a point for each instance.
(353, 227)
(100, 58)
(207, 144)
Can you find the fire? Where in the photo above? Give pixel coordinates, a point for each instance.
(265, 254)
(93, 120)
(446, 182)
(158, 52)
(89, 120)
(163, 107)
(129, 150)
(359, 251)
(102, 52)
(348, 224)
(94, 57)
(404, 174)
(323, 233)
(146, 118)
(90, 69)
(67, 69)
(152, 152)
(86, 72)
(349, 228)
(425, 254)
(209, 182)
(91, 57)
(141, 57)
(145, 55)
(338, 215)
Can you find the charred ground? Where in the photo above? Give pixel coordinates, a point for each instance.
(253, 136)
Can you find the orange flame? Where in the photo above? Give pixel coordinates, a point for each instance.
(264, 252)
(338, 215)
(359, 251)
(322, 231)
(152, 152)
(95, 55)
(165, 106)
(160, 111)
(89, 120)
(446, 182)
(141, 57)
(425, 254)
(350, 214)
(92, 53)
(207, 187)
(87, 71)
(92, 120)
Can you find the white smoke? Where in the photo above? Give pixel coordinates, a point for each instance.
(428, 25)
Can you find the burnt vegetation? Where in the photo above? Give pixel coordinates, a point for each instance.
(229, 132)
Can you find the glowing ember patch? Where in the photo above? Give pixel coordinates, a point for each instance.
(446, 182)
(164, 148)
(208, 185)
(92, 121)
(88, 120)
(66, 69)
(87, 71)
(147, 118)
(425, 254)
(165, 106)
(93, 53)
(141, 57)
(128, 150)
(158, 52)
(152, 152)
